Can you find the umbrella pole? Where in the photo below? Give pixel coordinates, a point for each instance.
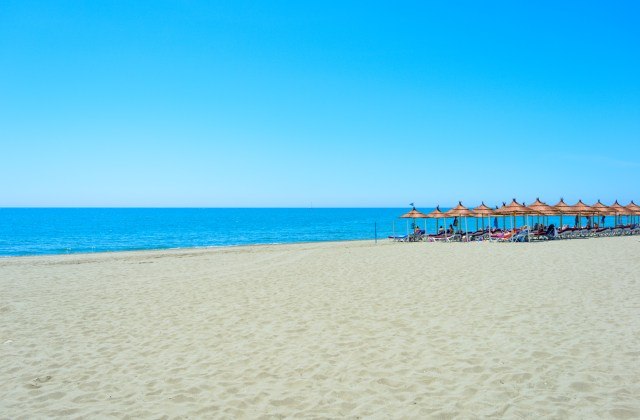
(466, 229)
(446, 228)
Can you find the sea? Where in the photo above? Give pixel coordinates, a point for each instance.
(42, 231)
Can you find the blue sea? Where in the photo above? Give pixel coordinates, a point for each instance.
(41, 231)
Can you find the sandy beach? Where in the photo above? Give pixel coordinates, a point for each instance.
(350, 329)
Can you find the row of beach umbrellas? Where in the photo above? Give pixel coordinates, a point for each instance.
(537, 208)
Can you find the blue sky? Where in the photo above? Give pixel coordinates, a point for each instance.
(289, 103)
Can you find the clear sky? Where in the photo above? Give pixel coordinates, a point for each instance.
(298, 103)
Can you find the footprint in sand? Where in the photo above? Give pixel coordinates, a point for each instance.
(37, 382)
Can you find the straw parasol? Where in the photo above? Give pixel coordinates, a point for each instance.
(514, 209)
(581, 209)
(437, 214)
(413, 214)
(481, 211)
(619, 210)
(542, 208)
(603, 210)
(563, 208)
(634, 208)
(461, 211)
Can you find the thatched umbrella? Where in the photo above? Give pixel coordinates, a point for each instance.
(619, 210)
(581, 209)
(634, 208)
(414, 214)
(514, 208)
(437, 214)
(603, 210)
(563, 208)
(542, 208)
(481, 211)
(461, 211)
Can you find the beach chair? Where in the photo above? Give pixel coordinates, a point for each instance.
(417, 236)
(539, 235)
(567, 233)
(477, 236)
(502, 236)
(449, 237)
(521, 236)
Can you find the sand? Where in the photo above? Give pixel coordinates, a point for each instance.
(349, 329)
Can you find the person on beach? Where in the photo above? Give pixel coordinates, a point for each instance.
(552, 232)
(440, 230)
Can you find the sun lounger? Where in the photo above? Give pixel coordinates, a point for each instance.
(568, 233)
(522, 236)
(444, 238)
(478, 235)
(502, 236)
(539, 235)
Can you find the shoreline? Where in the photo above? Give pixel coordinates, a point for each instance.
(196, 248)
